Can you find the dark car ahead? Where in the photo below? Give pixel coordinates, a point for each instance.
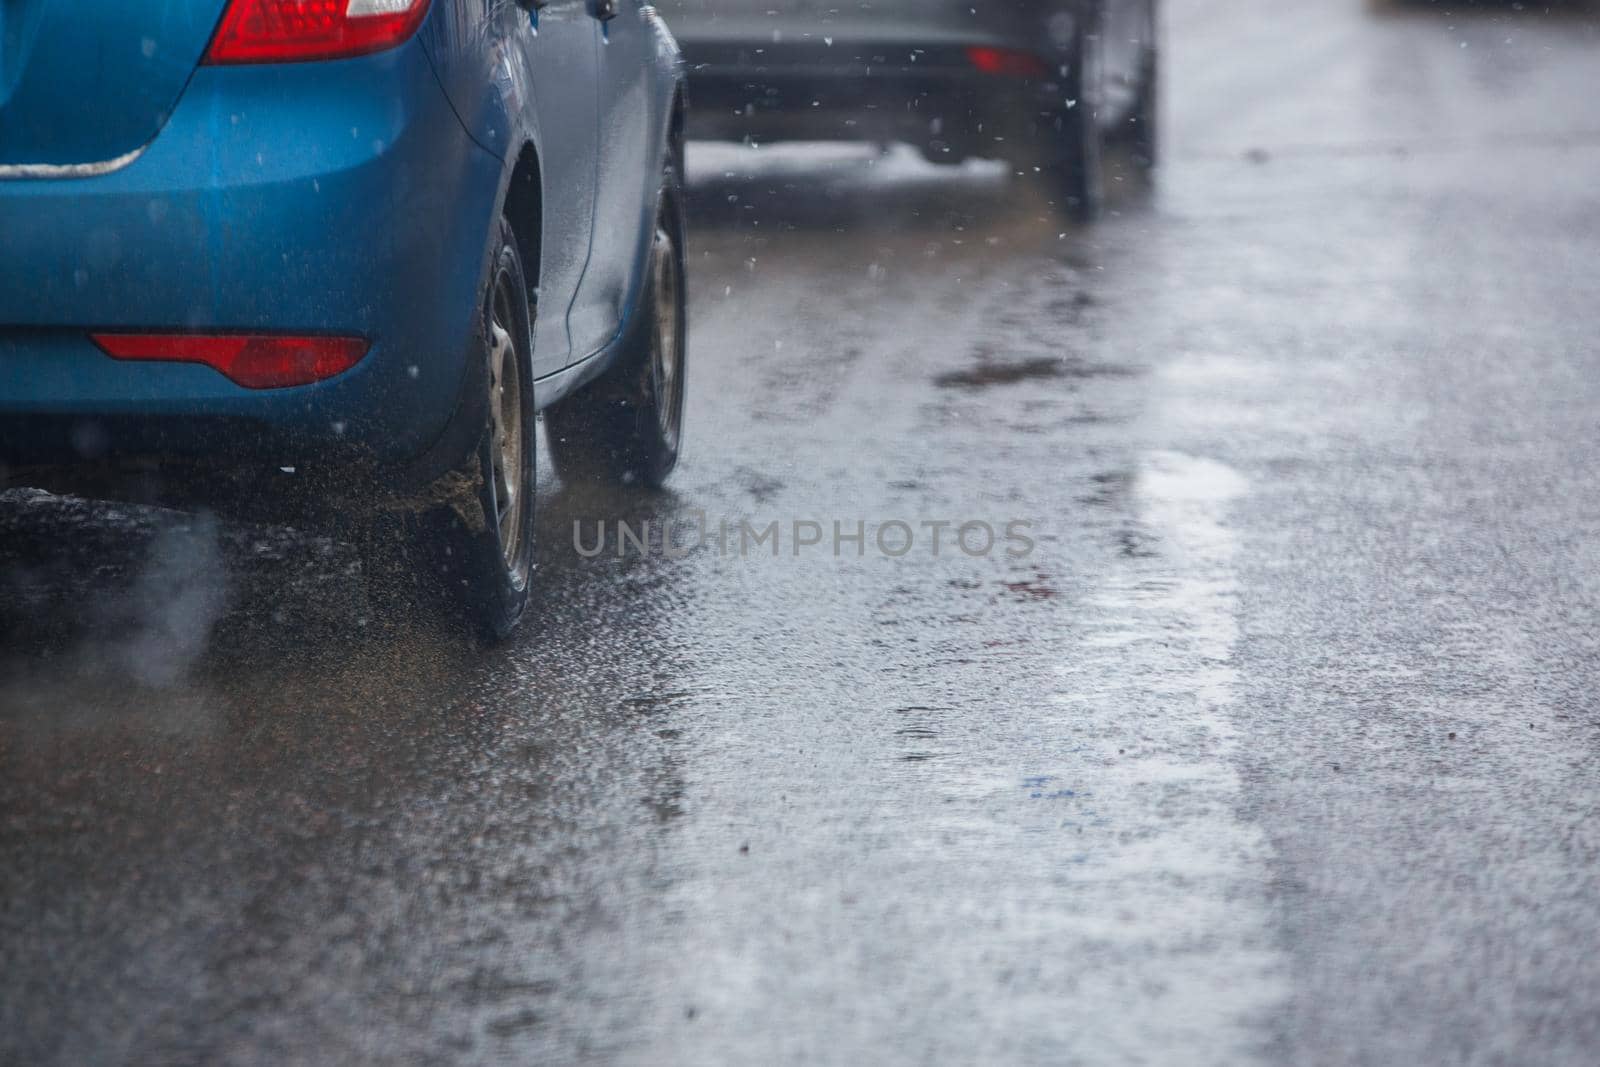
(343, 250)
(1039, 83)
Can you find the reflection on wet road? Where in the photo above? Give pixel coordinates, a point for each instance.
(1279, 746)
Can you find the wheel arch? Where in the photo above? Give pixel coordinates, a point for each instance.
(524, 206)
(678, 124)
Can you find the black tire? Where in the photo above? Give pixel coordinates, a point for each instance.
(487, 553)
(1072, 164)
(627, 427)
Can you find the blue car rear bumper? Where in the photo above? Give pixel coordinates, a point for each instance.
(340, 197)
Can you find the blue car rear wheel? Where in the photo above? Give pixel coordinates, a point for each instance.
(488, 552)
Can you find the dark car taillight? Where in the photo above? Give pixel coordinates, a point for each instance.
(293, 31)
(1007, 62)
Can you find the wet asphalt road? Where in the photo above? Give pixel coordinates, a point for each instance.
(1281, 746)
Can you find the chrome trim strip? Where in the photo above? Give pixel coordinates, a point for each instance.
(69, 170)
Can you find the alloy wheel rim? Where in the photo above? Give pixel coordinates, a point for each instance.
(666, 363)
(507, 448)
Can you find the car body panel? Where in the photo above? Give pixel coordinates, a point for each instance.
(353, 222)
(517, 77)
(91, 81)
(847, 22)
(629, 170)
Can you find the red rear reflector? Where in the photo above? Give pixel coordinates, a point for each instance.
(255, 361)
(292, 31)
(1010, 62)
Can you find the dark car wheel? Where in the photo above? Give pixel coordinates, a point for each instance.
(628, 426)
(488, 553)
(1072, 157)
(1144, 126)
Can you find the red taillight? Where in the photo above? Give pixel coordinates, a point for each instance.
(1010, 62)
(255, 361)
(290, 31)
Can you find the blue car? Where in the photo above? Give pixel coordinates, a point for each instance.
(344, 251)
